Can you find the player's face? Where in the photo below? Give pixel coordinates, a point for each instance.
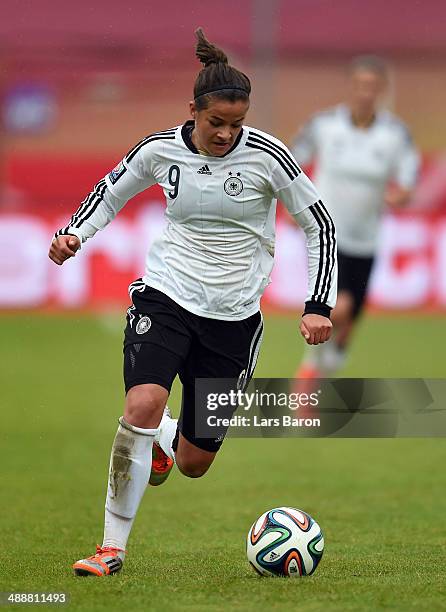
(366, 89)
(218, 125)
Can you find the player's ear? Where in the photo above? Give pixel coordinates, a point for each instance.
(192, 109)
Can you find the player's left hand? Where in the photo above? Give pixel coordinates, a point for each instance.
(315, 328)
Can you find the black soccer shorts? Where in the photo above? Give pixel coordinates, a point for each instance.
(162, 339)
(353, 277)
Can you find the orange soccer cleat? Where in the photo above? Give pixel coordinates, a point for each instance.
(105, 562)
(161, 466)
(306, 382)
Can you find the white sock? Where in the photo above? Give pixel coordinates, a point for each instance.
(116, 531)
(167, 432)
(333, 358)
(327, 358)
(313, 356)
(130, 464)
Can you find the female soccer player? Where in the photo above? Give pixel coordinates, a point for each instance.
(196, 313)
(364, 159)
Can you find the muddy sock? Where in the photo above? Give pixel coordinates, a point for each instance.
(130, 463)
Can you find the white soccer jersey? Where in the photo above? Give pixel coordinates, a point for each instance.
(215, 255)
(353, 168)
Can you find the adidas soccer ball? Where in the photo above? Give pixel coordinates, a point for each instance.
(285, 542)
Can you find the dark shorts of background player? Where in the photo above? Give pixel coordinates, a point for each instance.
(162, 339)
(353, 277)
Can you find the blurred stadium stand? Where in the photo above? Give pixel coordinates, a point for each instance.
(82, 82)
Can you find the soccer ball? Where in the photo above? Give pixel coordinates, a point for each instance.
(285, 542)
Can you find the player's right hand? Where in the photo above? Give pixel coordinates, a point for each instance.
(63, 247)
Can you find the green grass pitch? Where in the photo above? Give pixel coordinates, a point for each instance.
(381, 503)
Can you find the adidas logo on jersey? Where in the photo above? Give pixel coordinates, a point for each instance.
(204, 170)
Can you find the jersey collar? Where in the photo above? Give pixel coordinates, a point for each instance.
(348, 116)
(186, 134)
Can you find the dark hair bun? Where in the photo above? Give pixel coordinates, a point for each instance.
(208, 53)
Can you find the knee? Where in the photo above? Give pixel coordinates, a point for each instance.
(143, 408)
(138, 404)
(192, 470)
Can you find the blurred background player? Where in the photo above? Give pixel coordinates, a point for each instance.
(364, 161)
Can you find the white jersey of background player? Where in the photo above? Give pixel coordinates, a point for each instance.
(364, 161)
(353, 169)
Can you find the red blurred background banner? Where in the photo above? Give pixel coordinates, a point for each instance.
(46, 190)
